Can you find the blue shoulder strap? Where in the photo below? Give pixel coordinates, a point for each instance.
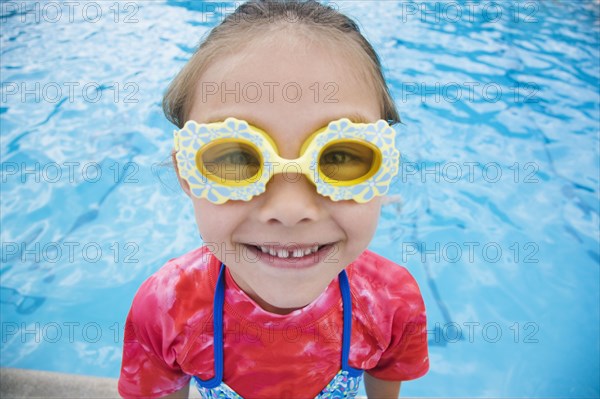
(219, 300)
(347, 305)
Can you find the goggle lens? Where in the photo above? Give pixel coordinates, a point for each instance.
(229, 161)
(348, 161)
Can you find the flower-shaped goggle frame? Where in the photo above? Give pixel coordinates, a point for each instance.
(233, 160)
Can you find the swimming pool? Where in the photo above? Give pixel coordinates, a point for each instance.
(499, 214)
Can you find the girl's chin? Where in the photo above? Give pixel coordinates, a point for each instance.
(285, 306)
(288, 297)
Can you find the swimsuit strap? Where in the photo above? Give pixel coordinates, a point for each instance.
(347, 328)
(219, 300)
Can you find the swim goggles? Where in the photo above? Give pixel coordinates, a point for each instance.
(232, 160)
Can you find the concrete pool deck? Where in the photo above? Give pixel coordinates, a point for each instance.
(32, 384)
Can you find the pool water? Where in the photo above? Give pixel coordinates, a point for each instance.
(499, 213)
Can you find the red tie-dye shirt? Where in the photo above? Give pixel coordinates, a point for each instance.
(168, 333)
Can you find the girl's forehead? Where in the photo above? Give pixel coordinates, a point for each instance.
(279, 65)
(289, 63)
(274, 85)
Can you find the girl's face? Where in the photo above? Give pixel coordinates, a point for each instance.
(289, 90)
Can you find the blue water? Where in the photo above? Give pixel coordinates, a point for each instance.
(499, 216)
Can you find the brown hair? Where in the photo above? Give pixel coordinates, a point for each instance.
(257, 17)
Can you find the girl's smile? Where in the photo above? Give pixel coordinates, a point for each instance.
(292, 256)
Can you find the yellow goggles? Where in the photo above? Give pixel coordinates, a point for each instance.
(233, 160)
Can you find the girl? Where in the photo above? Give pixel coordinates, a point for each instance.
(285, 151)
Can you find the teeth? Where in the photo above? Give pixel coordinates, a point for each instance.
(282, 253)
(293, 253)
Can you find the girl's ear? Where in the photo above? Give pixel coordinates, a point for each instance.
(184, 184)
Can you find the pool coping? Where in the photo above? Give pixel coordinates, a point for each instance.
(33, 384)
(25, 383)
(30, 384)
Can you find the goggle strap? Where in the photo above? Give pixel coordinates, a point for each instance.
(176, 140)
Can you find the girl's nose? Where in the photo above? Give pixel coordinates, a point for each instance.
(290, 199)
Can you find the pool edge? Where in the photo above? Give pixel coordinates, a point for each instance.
(30, 384)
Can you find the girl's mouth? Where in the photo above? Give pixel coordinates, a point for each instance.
(291, 256)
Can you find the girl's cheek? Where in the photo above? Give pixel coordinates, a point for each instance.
(219, 221)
